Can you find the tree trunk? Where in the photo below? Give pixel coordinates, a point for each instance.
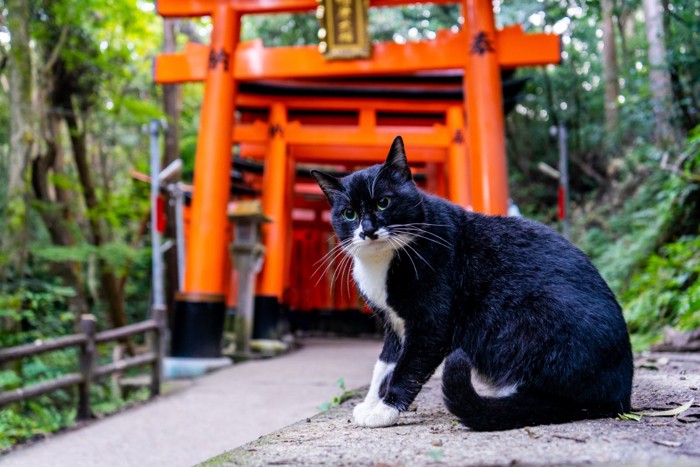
(57, 221)
(659, 77)
(171, 99)
(171, 106)
(682, 100)
(610, 72)
(22, 128)
(22, 134)
(108, 280)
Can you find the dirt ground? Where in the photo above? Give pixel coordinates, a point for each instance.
(428, 434)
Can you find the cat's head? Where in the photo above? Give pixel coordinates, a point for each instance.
(374, 210)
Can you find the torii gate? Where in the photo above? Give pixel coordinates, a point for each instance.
(478, 49)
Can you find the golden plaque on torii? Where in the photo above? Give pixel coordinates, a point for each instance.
(343, 33)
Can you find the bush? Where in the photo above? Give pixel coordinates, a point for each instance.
(647, 243)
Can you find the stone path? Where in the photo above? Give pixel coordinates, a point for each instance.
(217, 412)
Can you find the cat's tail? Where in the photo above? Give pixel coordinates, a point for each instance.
(495, 414)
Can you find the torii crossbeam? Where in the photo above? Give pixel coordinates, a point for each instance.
(478, 49)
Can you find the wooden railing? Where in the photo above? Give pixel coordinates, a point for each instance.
(87, 372)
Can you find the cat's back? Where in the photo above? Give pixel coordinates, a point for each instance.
(519, 246)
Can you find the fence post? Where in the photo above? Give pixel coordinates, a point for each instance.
(88, 326)
(564, 215)
(158, 348)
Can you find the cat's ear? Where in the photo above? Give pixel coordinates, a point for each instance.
(397, 159)
(328, 183)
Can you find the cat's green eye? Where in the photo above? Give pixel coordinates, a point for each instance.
(349, 214)
(383, 203)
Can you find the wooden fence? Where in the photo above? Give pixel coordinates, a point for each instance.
(87, 340)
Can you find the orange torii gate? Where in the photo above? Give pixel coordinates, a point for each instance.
(478, 49)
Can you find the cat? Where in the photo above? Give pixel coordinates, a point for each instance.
(503, 300)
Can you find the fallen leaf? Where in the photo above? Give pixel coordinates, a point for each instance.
(670, 444)
(671, 412)
(648, 367)
(629, 416)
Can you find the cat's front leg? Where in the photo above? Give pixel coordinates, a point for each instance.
(414, 367)
(382, 370)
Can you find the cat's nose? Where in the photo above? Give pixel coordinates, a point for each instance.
(368, 233)
(368, 230)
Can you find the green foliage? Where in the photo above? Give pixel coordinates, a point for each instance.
(412, 22)
(101, 75)
(339, 399)
(118, 255)
(281, 29)
(666, 291)
(38, 417)
(683, 29)
(34, 312)
(400, 24)
(105, 400)
(573, 93)
(648, 246)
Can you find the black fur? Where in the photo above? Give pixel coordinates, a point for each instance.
(507, 297)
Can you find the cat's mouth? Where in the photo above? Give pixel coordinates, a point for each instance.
(382, 241)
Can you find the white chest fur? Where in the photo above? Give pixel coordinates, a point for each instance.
(370, 273)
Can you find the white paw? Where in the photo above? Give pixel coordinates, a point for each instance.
(379, 415)
(362, 409)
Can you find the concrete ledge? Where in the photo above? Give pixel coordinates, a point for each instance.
(428, 434)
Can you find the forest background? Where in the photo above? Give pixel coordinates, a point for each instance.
(76, 91)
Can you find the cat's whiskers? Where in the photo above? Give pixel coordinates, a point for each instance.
(335, 249)
(345, 269)
(348, 271)
(426, 224)
(326, 269)
(399, 247)
(329, 259)
(340, 271)
(408, 245)
(419, 225)
(420, 233)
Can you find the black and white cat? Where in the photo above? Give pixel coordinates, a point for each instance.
(504, 300)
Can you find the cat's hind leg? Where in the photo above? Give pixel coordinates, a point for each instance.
(513, 410)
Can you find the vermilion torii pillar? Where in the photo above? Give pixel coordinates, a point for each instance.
(483, 94)
(277, 180)
(200, 307)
